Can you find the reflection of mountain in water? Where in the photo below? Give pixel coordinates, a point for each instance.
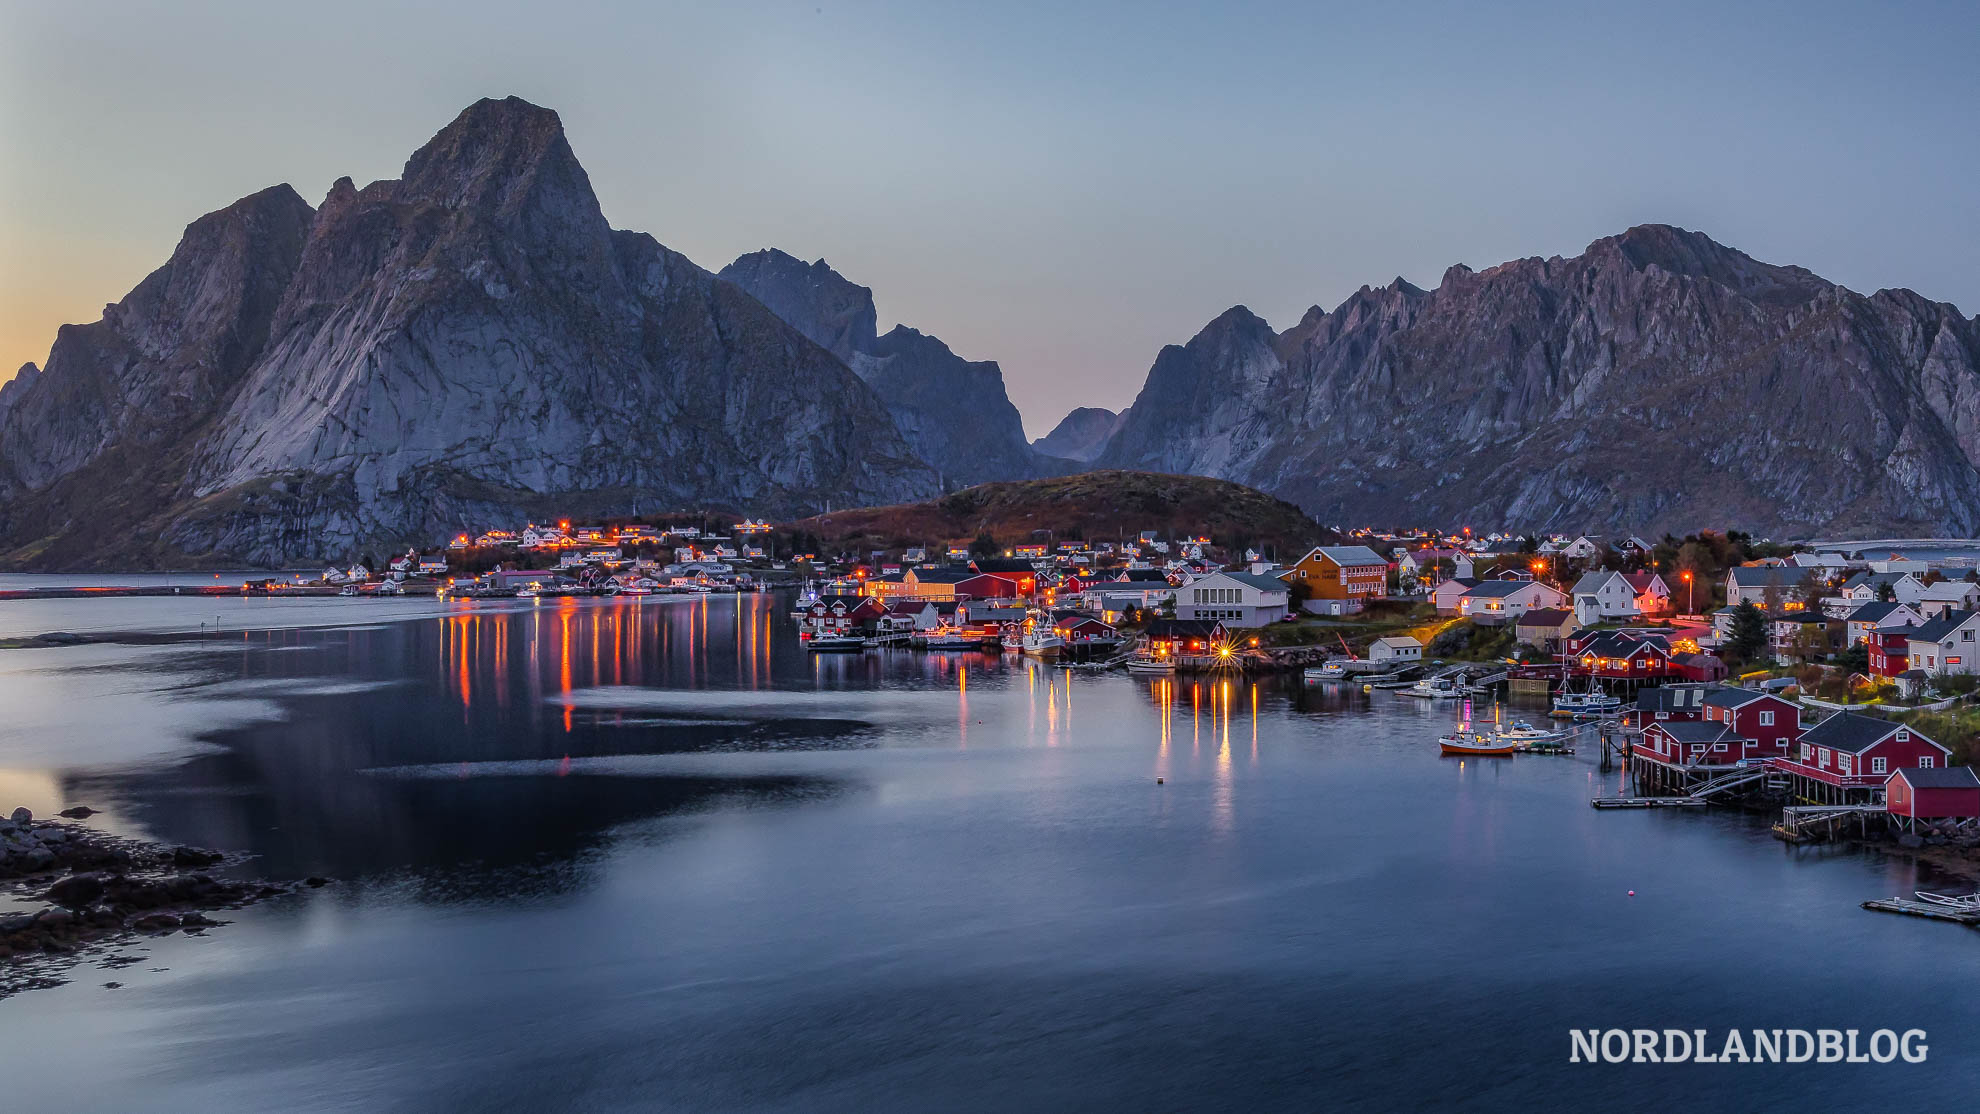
(491, 739)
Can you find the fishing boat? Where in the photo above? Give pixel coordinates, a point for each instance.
(1578, 705)
(1464, 741)
(835, 644)
(1434, 688)
(1963, 903)
(953, 638)
(1523, 732)
(1152, 666)
(1041, 641)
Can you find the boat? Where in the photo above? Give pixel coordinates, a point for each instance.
(1527, 733)
(1434, 688)
(1594, 702)
(835, 644)
(1465, 741)
(1041, 642)
(1964, 903)
(1152, 666)
(952, 638)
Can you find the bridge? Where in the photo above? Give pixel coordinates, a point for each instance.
(1852, 544)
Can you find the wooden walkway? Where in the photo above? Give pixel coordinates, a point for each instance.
(1648, 802)
(1911, 908)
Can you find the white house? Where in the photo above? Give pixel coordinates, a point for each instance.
(1602, 595)
(1750, 584)
(1582, 548)
(1946, 644)
(432, 566)
(1905, 587)
(1495, 602)
(1446, 595)
(1399, 647)
(1948, 595)
(1876, 616)
(1234, 599)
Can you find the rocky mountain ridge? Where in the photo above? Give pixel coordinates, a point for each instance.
(1657, 381)
(468, 344)
(954, 412)
(1081, 434)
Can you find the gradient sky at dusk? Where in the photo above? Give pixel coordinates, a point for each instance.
(1061, 188)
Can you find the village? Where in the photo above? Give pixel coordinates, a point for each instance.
(1714, 669)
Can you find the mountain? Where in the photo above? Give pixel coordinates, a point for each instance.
(468, 345)
(17, 386)
(1097, 506)
(1658, 381)
(1081, 434)
(953, 412)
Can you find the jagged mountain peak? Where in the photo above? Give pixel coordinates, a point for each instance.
(1681, 251)
(1080, 435)
(819, 302)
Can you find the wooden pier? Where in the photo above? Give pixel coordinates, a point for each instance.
(1648, 802)
(1910, 908)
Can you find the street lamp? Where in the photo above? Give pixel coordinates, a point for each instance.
(1687, 594)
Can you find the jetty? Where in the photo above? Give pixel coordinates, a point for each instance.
(1907, 907)
(1649, 802)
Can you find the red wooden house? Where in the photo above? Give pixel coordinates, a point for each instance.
(1769, 722)
(1848, 757)
(836, 614)
(1666, 704)
(1021, 576)
(1890, 651)
(1933, 793)
(1691, 746)
(1621, 655)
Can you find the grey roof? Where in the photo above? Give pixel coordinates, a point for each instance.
(1670, 698)
(1695, 731)
(1492, 589)
(1725, 697)
(1850, 732)
(1874, 612)
(1938, 777)
(1938, 628)
(1546, 616)
(949, 574)
(1759, 576)
(1262, 583)
(1592, 582)
(1873, 579)
(1352, 555)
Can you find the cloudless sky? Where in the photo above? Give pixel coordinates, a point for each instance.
(1063, 188)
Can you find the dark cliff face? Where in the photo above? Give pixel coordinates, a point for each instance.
(1080, 435)
(953, 412)
(1657, 381)
(465, 345)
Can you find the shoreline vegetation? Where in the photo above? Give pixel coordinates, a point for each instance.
(84, 894)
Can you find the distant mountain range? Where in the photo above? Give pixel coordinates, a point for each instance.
(472, 343)
(1658, 381)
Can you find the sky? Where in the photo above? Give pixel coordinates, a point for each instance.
(1063, 188)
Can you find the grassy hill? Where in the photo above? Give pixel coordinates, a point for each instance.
(1090, 506)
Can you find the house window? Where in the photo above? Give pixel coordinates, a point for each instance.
(1719, 746)
(1876, 765)
(1842, 763)
(1806, 750)
(1927, 762)
(1766, 719)
(1952, 661)
(1822, 758)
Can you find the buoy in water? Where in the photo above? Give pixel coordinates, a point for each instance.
(1632, 893)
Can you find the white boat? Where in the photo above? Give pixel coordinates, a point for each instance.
(1464, 741)
(835, 643)
(1527, 733)
(1964, 903)
(1434, 688)
(1155, 666)
(1042, 642)
(1591, 703)
(950, 638)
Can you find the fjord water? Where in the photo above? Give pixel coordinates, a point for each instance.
(619, 854)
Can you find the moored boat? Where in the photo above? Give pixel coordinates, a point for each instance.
(1151, 666)
(835, 644)
(1434, 688)
(1463, 741)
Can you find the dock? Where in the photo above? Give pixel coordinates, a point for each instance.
(1910, 908)
(1648, 802)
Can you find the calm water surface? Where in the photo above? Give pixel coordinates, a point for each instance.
(650, 855)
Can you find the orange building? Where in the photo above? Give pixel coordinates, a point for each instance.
(1351, 573)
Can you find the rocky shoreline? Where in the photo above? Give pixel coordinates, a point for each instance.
(95, 890)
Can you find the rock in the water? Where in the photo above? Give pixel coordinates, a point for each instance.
(194, 856)
(79, 812)
(38, 858)
(1910, 840)
(156, 922)
(77, 891)
(22, 816)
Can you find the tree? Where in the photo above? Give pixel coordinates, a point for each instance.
(984, 546)
(1886, 593)
(1748, 637)
(1811, 587)
(1770, 596)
